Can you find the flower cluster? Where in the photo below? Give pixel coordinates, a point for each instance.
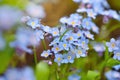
(25, 73)
(70, 40)
(97, 7)
(114, 46)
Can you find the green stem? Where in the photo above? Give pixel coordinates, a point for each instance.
(114, 28)
(35, 56)
(44, 44)
(63, 34)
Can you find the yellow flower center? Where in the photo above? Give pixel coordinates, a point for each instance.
(71, 38)
(54, 32)
(64, 45)
(118, 54)
(72, 22)
(46, 54)
(79, 52)
(91, 14)
(33, 23)
(57, 48)
(113, 45)
(69, 57)
(79, 34)
(87, 23)
(83, 43)
(59, 59)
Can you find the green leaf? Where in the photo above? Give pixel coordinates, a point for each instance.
(111, 62)
(42, 71)
(5, 57)
(92, 75)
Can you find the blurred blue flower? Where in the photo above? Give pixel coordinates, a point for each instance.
(25, 38)
(98, 47)
(116, 67)
(2, 78)
(74, 77)
(46, 53)
(39, 35)
(9, 16)
(111, 13)
(35, 10)
(117, 54)
(112, 75)
(112, 45)
(25, 73)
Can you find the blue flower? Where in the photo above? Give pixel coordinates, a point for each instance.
(74, 77)
(117, 54)
(55, 41)
(80, 52)
(111, 13)
(46, 28)
(24, 38)
(91, 13)
(34, 23)
(112, 45)
(55, 32)
(64, 20)
(112, 75)
(79, 34)
(98, 47)
(76, 16)
(2, 78)
(74, 20)
(98, 8)
(116, 67)
(84, 43)
(56, 48)
(68, 58)
(77, 1)
(25, 73)
(46, 53)
(89, 35)
(95, 28)
(86, 23)
(65, 45)
(58, 58)
(39, 35)
(71, 37)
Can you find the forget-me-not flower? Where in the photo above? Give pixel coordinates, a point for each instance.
(112, 45)
(46, 53)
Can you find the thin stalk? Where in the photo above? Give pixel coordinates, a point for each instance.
(63, 34)
(44, 44)
(114, 28)
(35, 56)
